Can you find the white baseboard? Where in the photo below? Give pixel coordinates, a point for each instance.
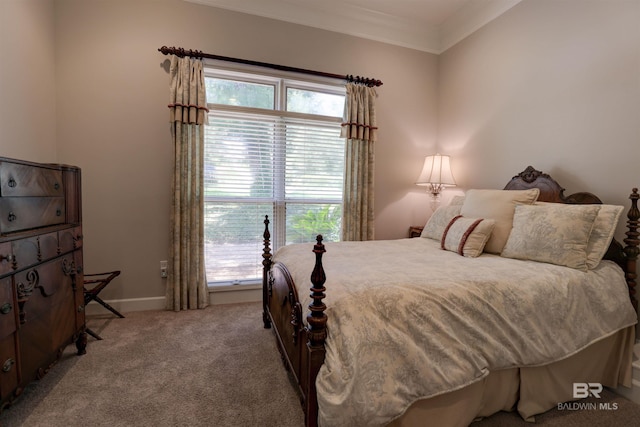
(226, 295)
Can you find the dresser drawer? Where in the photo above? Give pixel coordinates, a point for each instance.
(23, 213)
(9, 369)
(6, 258)
(35, 249)
(70, 239)
(48, 284)
(8, 308)
(27, 181)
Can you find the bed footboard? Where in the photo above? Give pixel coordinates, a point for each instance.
(301, 347)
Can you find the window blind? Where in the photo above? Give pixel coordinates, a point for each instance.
(255, 165)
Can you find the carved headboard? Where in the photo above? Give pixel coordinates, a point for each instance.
(550, 190)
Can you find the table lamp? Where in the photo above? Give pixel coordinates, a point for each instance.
(436, 175)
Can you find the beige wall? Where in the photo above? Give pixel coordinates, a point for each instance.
(553, 84)
(27, 80)
(112, 88)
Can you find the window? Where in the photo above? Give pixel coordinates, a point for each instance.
(272, 147)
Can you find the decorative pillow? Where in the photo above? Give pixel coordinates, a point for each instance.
(602, 233)
(467, 236)
(604, 227)
(438, 221)
(498, 205)
(456, 200)
(552, 233)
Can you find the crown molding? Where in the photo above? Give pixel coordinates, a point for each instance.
(373, 25)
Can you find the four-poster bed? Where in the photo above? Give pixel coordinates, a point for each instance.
(326, 348)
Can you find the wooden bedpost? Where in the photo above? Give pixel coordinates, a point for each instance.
(631, 249)
(316, 333)
(317, 319)
(266, 266)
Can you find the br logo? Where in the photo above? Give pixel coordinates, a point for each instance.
(582, 390)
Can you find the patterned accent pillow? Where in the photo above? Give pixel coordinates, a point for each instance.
(467, 236)
(498, 205)
(604, 228)
(439, 220)
(552, 233)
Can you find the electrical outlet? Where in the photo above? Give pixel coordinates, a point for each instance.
(163, 269)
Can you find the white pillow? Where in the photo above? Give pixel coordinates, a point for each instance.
(602, 233)
(554, 233)
(498, 205)
(439, 220)
(467, 236)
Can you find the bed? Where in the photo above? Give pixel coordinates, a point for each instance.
(506, 300)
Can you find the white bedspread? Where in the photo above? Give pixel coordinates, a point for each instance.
(408, 320)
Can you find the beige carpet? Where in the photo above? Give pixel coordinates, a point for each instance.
(216, 367)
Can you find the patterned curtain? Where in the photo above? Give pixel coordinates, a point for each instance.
(359, 129)
(187, 284)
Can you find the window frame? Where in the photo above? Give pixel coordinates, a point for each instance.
(281, 83)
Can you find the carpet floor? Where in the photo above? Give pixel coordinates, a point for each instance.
(212, 367)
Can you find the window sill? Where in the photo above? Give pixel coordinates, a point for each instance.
(235, 288)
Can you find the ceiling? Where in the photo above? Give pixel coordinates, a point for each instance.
(427, 25)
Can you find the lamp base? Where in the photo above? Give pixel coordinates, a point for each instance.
(434, 201)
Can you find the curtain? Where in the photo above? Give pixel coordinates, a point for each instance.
(359, 129)
(186, 283)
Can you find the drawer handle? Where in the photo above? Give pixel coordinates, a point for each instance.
(69, 268)
(56, 186)
(12, 183)
(58, 212)
(80, 308)
(8, 364)
(12, 217)
(6, 308)
(8, 258)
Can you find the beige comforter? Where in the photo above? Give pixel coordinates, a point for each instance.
(408, 320)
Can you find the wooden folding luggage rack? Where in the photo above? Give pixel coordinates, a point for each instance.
(101, 280)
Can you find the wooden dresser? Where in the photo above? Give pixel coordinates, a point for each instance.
(41, 275)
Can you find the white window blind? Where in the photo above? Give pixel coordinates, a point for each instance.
(286, 165)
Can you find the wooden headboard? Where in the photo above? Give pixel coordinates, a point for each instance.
(550, 191)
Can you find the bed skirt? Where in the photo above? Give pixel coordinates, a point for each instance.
(530, 391)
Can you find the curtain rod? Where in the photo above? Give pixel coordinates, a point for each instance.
(180, 52)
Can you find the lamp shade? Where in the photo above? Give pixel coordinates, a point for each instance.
(436, 172)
